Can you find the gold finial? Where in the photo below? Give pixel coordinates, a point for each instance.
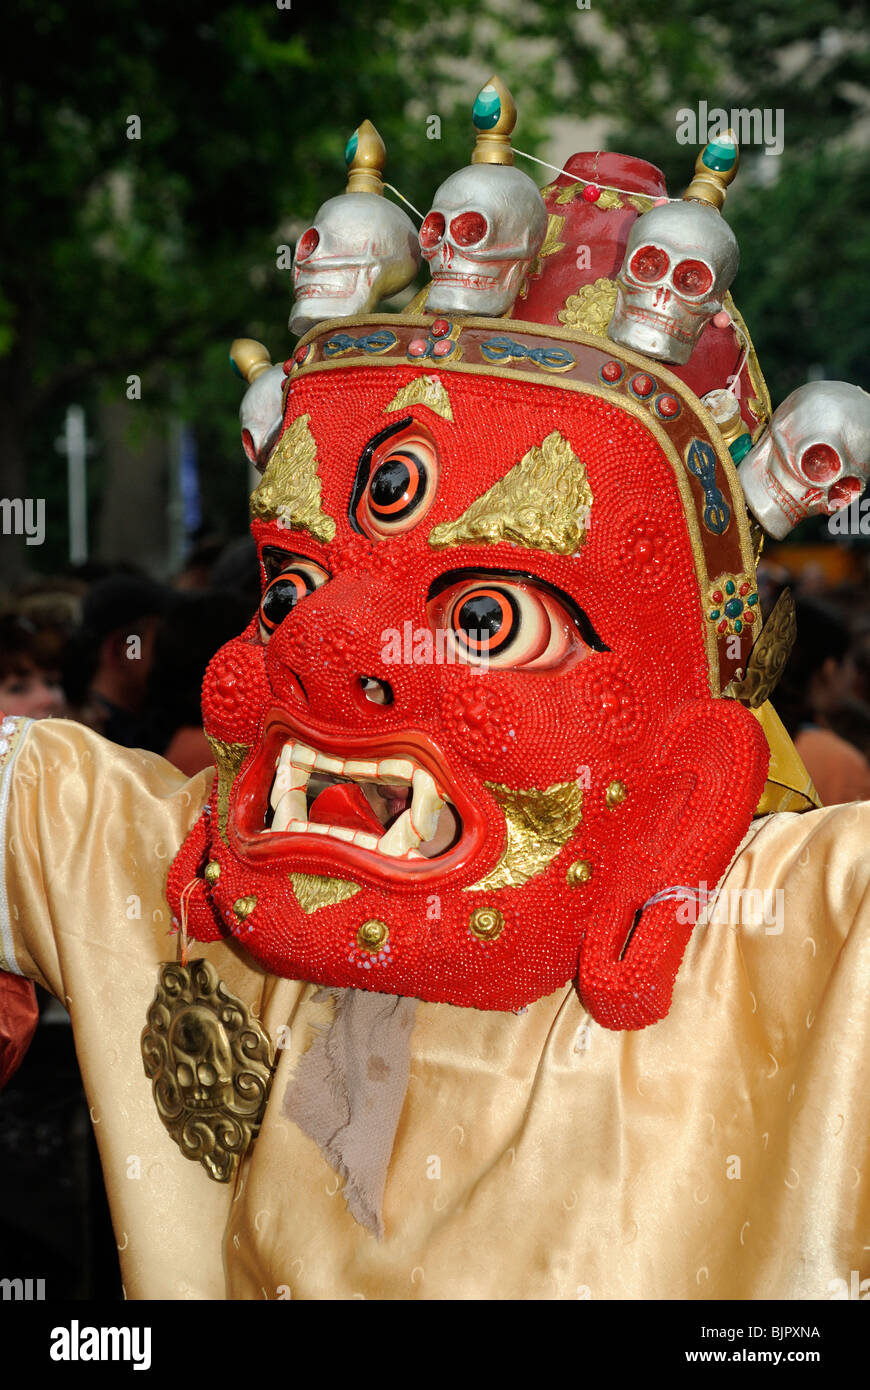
(249, 358)
(494, 116)
(366, 155)
(715, 168)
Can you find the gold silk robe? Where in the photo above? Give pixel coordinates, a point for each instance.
(722, 1153)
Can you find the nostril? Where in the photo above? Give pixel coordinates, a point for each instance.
(379, 692)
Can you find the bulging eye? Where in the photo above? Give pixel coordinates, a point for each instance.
(820, 463)
(693, 277)
(505, 623)
(468, 228)
(432, 230)
(307, 244)
(285, 590)
(649, 263)
(401, 484)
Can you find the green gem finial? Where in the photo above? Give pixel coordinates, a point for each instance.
(487, 108)
(720, 154)
(366, 155)
(494, 116)
(715, 168)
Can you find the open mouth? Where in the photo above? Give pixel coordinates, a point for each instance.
(392, 805)
(378, 806)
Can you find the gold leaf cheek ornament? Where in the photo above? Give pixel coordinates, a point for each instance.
(210, 1065)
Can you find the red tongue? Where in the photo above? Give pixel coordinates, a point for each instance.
(345, 805)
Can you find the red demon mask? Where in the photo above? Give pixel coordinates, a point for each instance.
(475, 731)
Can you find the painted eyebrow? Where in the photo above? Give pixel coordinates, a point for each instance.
(581, 618)
(363, 467)
(274, 559)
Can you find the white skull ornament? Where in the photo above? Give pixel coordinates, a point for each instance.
(359, 249)
(680, 260)
(814, 458)
(486, 224)
(261, 415)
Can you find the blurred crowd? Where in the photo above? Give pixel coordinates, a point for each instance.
(126, 655)
(113, 648)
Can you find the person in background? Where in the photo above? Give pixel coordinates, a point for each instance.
(26, 686)
(109, 658)
(810, 702)
(195, 626)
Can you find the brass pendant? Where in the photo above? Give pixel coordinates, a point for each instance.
(210, 1064)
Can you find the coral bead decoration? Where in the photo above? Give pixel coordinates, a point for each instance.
(447, 711)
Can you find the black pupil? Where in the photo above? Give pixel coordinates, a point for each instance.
(280, 597)
(480, 615)
(390, 483)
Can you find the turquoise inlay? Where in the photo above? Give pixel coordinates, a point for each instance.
(235, 368)
(719, 156)
(486, 110)
(733, 608)
(740, 448)
(351, 147)
(752, 600)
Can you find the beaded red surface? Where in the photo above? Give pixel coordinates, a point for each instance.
(639, 714)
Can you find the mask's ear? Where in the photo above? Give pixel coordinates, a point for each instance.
(706, 784)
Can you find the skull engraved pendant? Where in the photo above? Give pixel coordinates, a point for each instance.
(210, 1065)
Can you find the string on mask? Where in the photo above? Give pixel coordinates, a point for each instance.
(182, 928)
(416, 211)
(605, 187)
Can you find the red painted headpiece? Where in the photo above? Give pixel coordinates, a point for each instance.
(477, 729)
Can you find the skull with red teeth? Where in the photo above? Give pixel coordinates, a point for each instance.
(471, 734)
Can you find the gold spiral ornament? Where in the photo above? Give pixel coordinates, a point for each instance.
(486, 923)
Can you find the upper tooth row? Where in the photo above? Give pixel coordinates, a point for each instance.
(297, 762)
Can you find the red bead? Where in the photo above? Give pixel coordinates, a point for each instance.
(643, 550)
(717, 595)
(668, 406)
(591, 193)
(417, 347)
(744, 590)
(749, 616)
(439, 328)
(301, 353)
(642, 385)
(441, 349)
(288, 366)
(611, 371)
(723, 626)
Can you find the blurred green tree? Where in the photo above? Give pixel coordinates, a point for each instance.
(148, 255)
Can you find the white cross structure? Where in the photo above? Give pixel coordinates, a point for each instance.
(75, 444)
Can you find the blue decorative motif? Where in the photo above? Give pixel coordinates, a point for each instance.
(552, 359)
(701, 461)
(381, 341)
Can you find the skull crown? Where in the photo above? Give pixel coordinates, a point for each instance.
(487, 223)
(359, 249)
(814, 458)
(680, 260)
